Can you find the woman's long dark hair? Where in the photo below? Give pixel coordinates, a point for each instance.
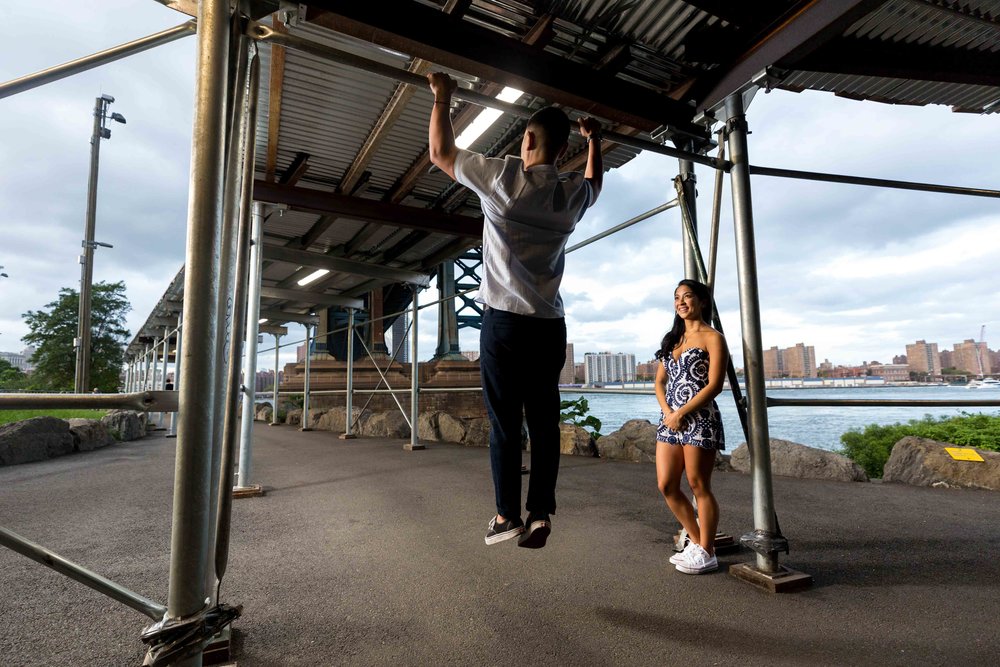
(676, 332)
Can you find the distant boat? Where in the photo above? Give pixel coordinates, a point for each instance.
(984, 383)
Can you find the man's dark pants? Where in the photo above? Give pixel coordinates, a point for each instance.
(520, 359)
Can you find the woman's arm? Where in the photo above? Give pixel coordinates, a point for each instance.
(660, 386)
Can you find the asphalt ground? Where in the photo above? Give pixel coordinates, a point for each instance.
(362, 553)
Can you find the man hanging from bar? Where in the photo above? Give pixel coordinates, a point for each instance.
(530, 210)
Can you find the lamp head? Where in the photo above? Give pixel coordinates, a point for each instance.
(107, 98)
(118, 117)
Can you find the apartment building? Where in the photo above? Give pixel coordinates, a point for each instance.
(608, 367)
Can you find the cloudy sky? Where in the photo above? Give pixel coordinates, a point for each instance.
(856, 272)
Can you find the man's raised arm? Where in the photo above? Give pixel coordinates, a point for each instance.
(441, 135)
(590, 129)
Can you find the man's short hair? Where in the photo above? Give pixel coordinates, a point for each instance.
(551, 124)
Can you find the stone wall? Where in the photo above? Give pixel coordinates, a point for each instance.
(330, 374)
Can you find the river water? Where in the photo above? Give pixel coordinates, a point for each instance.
(813, 426)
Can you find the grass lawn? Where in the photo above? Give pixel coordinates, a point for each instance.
(8, 416)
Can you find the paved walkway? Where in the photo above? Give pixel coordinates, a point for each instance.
(365, 554)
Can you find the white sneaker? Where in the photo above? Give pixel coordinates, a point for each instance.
(697, 561)
(680, 555)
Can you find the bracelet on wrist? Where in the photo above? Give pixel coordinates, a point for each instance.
(593, 136)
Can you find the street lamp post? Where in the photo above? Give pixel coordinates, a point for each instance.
(82, 342)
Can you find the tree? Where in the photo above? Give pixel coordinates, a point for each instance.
(12, 378)
(54, 328)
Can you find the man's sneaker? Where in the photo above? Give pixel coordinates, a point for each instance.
(678, 557)
(498, 532)
(697, 561)
(538, 531)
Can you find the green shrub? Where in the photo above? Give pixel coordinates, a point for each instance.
(575, 412)
(870, 448)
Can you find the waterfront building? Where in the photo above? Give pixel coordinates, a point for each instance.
(891, 373)
(15, 359)
(923, 358)
(607, 367)
(773, 363)
(647, 371)
(568, 373)
(798, 361)
(968, 355)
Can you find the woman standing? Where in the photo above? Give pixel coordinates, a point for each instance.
(694, 358)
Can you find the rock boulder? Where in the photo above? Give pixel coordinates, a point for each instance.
(34, 439)
(125, 425)
(477, 433)
(634, 441)
(450, 429)
(924, 462)
(791, 459)
(575, 440)
(89, 434)
(293, 417)
(335, 419)
(264, 413)
(385, 425)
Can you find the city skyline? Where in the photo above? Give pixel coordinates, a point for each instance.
(859, 272)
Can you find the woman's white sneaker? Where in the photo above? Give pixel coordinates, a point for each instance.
(697, 561)
(679, 556)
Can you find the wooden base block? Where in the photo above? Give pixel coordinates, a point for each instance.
(724, 542)
(347, 436)
(412, 448)
(171, 435)
(786, 580)
(274, 424)
(305, 429)
(252, 491)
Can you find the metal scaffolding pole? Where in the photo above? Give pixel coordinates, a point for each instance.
(40, 554)
(190, 533)
(688, 182)
(414, 379)
(147, 362)
(163, 373)
(274, 402)
(234, 388)
(250, 358)
(89, 62)
(172, 433)
(765, 525)
(349, 408)
(305, 383)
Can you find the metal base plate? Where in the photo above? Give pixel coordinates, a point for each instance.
(252, 491)
(218, 652)
(786, 580)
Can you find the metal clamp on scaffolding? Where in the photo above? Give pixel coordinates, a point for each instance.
(171, 639)
(765, 543)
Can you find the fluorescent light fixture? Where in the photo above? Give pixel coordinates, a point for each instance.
(262, 320)
(315, 275)
(486, 118)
